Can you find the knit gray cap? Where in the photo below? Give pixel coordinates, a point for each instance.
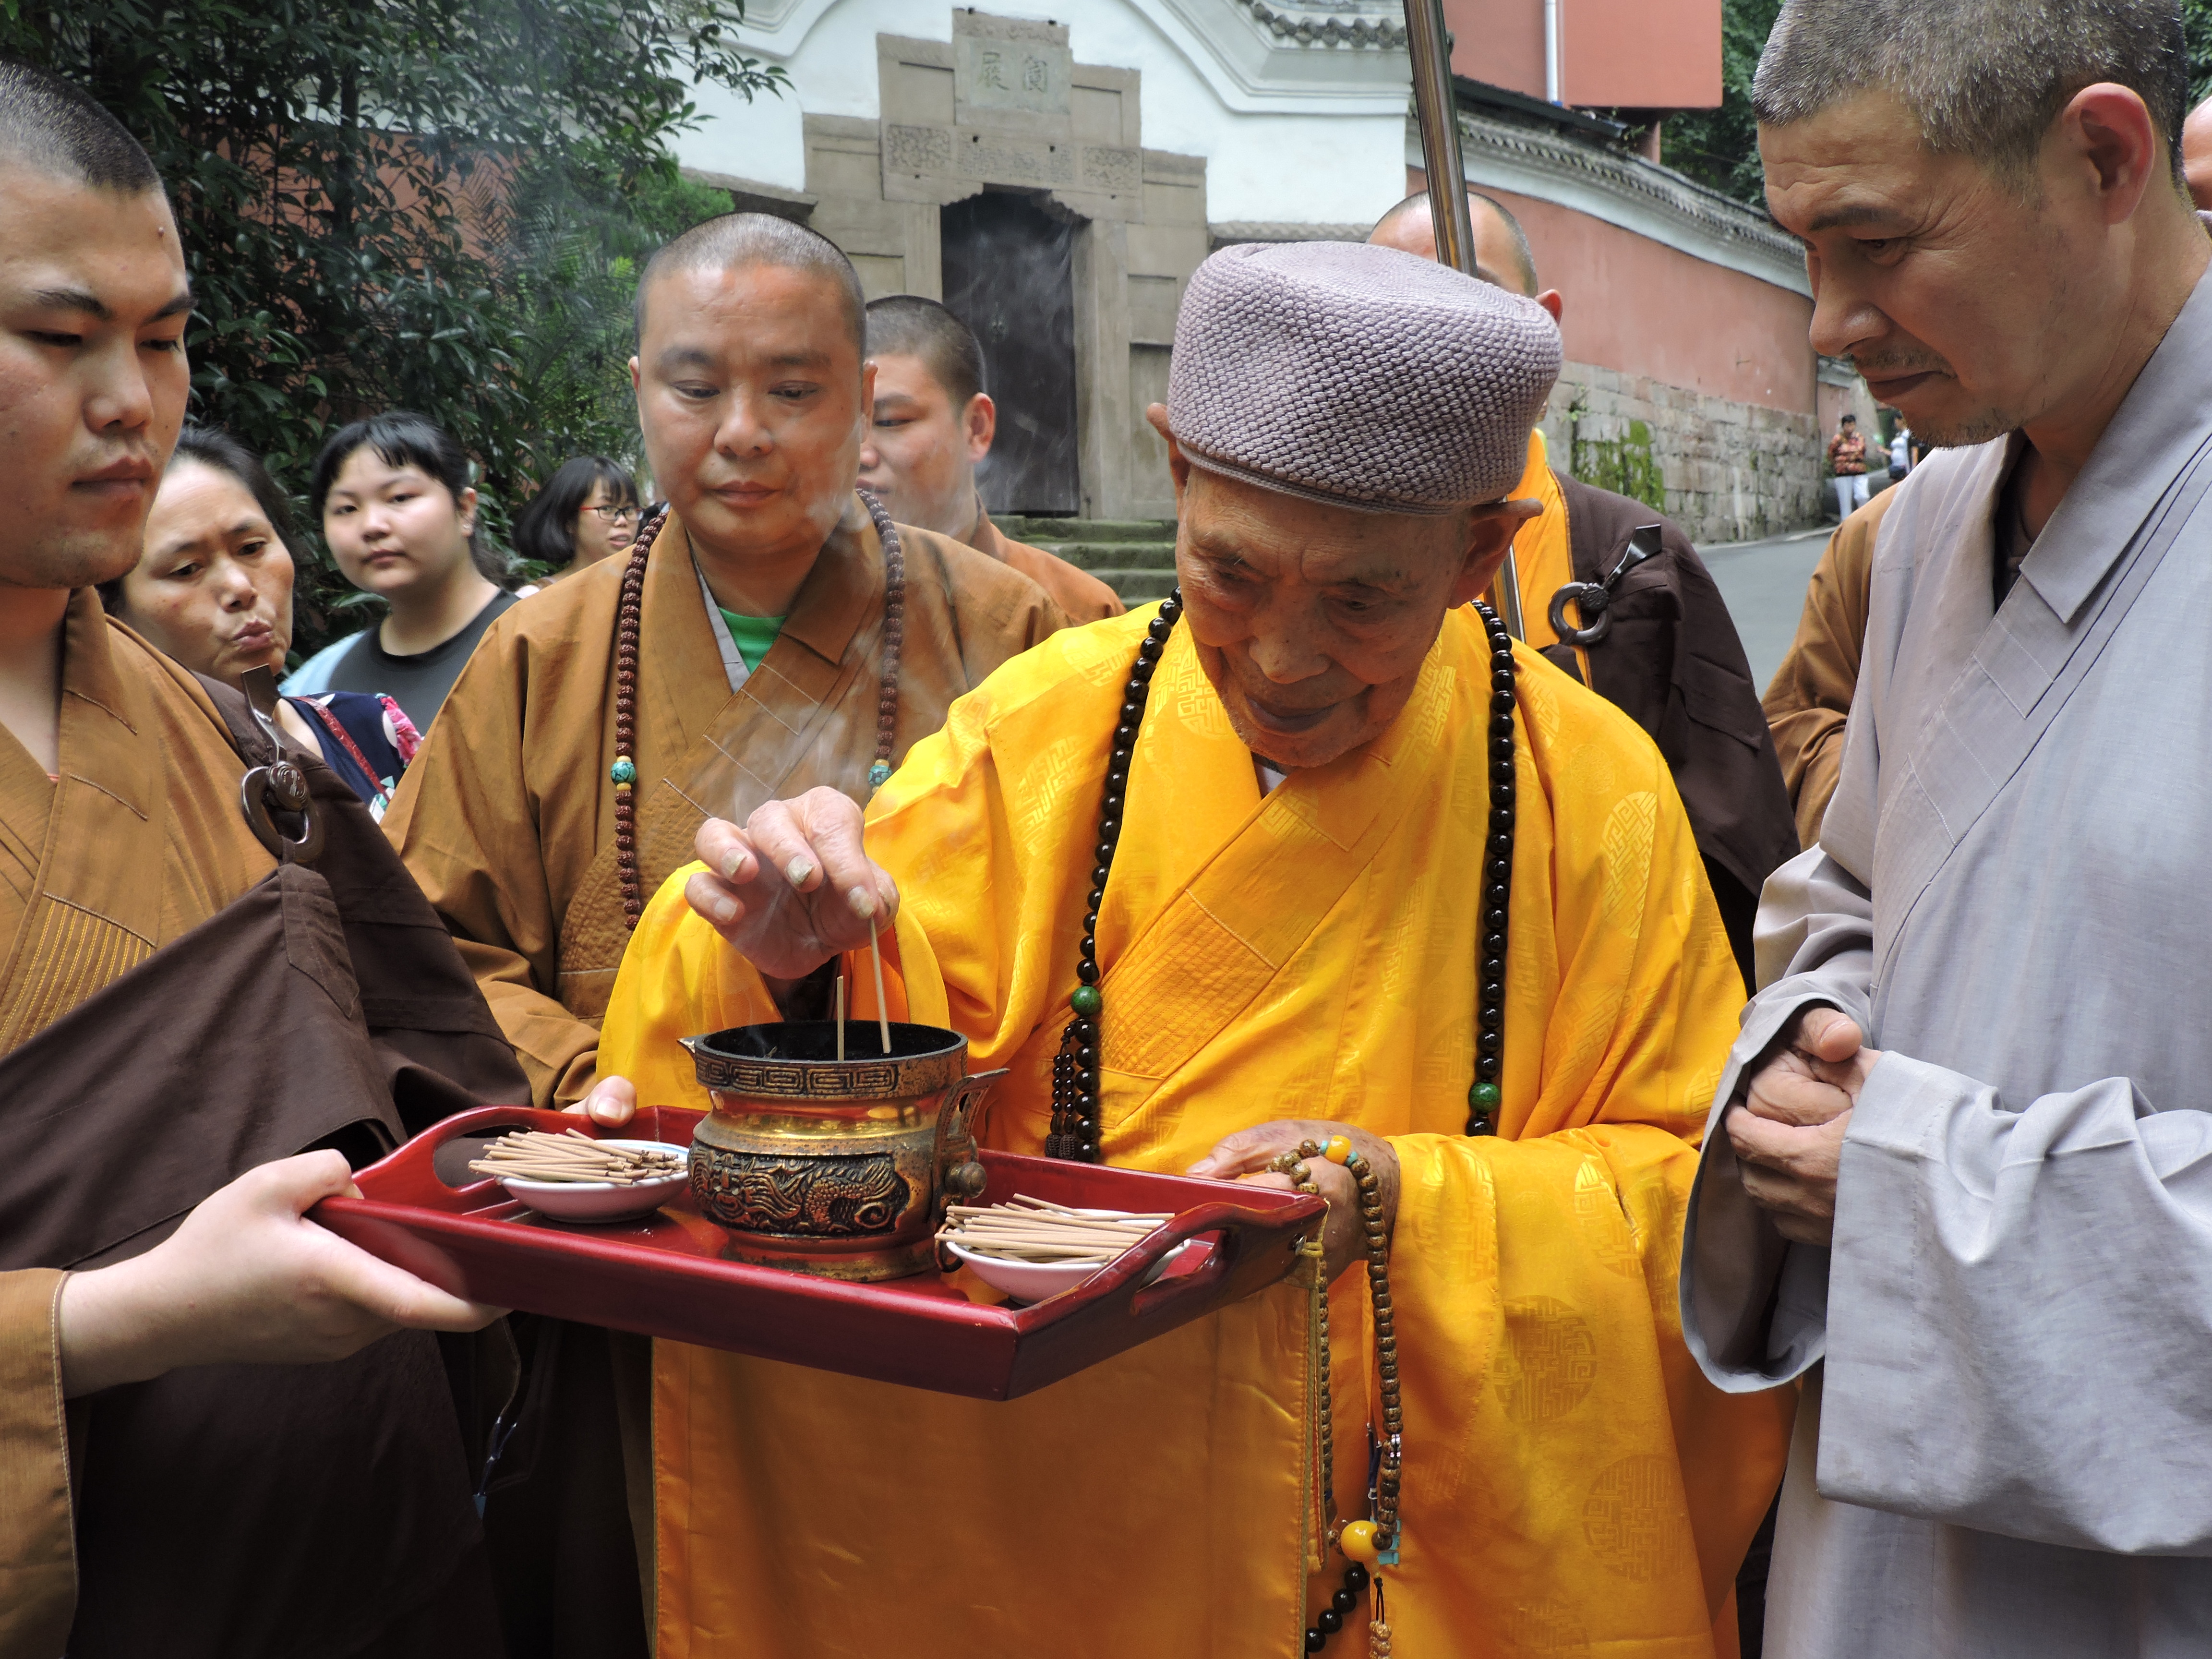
(1358, 375)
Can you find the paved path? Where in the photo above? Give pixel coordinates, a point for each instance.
(1764, 583)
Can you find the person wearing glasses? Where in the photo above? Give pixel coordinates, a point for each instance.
(588, 511)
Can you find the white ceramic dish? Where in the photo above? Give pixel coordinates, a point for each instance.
(603, 1200)
(1033, 1281)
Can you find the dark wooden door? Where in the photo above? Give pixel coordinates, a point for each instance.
(1009, 275)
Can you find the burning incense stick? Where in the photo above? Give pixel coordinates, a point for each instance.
(883, 1009)
(840, 1015)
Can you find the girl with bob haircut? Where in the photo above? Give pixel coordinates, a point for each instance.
(399, 515)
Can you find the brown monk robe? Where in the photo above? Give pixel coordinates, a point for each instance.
(1811, 692)
(508, 816)
(171, 1014)
(1076, 592)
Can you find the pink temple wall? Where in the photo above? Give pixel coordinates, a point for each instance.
(1638, 54)
(1640, 308)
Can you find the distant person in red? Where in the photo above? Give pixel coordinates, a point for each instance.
(1847, 459)
(932, 423)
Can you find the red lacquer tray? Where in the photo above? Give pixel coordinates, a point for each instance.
(665, 1276)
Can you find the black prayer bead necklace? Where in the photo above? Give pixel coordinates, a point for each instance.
(1077, 1130)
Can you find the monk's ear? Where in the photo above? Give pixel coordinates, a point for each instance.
(1488, 536)
(1178, 463)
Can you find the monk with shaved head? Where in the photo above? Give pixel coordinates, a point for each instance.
(771, 632)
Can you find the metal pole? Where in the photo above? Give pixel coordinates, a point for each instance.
(1552, 50)
(1438, 114)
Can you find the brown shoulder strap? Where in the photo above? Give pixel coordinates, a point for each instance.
(443, 1052)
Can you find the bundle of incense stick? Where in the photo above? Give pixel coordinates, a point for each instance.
(533, 1155)
(1033, 1230)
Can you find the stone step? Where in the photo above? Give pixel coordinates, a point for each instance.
(1137, 587)
(1040, 532)
(1094, 556)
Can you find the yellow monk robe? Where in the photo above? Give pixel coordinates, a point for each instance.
(506, 818)
(1541, 555)
(1571, 1482)
(135, 842)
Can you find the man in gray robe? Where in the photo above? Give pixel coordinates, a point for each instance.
(1959, 1177)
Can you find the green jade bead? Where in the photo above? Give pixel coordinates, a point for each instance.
(624, 770)
(1485, 1097)
(1086, 1000)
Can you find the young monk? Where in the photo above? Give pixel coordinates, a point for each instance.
(1310, 852)
(177, 1017)
(932, 426)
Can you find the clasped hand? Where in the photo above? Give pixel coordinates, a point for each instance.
(1787, 1131)
(1245, 1156)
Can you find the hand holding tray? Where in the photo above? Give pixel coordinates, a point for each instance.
(666, 1276)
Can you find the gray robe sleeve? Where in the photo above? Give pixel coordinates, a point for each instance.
(1754, 1306)
(2021, 1304)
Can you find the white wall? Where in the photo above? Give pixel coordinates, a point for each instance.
(1329, 150)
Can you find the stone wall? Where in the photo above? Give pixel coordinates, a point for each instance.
(1724, 471)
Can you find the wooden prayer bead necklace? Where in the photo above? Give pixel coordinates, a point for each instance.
(624, 772)
(1076, 1129)
(1376, 1538)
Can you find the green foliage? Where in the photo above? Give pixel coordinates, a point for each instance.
(1624, 464)
(2197, 23)
(436, 205)
(1719, 147)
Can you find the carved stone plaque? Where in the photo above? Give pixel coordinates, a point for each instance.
(1105, 167)
(990, 72)
(1000, 159)
(917, 149)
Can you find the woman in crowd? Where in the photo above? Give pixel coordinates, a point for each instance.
(214, 590)
(400, 517)
(586, 512)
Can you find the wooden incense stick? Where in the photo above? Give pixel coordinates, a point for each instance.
(573, 1156)
(841, 1015)
(883, 1009)
(1032, 1229)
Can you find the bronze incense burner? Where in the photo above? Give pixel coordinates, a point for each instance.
(837, 1167)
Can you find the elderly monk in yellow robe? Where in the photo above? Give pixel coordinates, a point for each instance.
(1311, 850)
(760, 641)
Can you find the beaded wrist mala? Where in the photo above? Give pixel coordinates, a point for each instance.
(624, 772)
(1076, 1131)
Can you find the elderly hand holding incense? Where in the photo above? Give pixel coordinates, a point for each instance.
(794, 887)
(1245, 1156)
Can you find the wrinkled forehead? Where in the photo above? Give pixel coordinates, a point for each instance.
(1282, 538)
